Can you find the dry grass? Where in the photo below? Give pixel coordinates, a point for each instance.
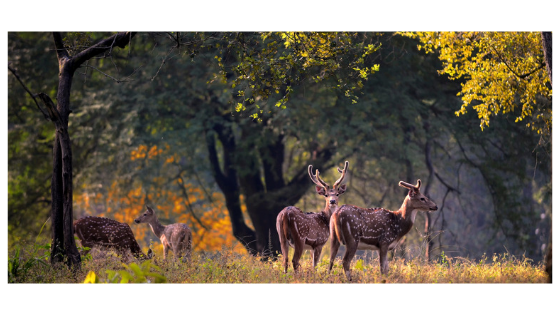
(228, 267)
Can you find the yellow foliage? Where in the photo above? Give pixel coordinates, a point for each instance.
(91, 278)
(503, 71)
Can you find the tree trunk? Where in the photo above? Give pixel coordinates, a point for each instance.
(547, 49)
(226, 178)
(63, 243)
(548, 259)
(429, 165)
(429, 237)
(240, 172)
(57, 245)
(67, 187)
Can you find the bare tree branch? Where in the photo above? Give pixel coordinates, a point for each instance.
(51, 108)
(163, 61)
(449, 187)
(28, 91)
(521, 76)
(109, 76)
(188, 203)
(119, 40)
(61, 52)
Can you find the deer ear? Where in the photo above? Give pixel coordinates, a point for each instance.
(150, 210)
(320, 190)
(342, 189)
(412, 193)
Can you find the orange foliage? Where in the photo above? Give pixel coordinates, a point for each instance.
(125, 202)
(142, 150)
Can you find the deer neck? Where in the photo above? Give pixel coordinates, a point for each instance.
(157, 227)
(407, 215)
(329, 210)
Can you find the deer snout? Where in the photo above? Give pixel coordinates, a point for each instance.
(332, 201)
(136, 221)
(433, 208)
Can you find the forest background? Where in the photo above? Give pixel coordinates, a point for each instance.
(145, 141)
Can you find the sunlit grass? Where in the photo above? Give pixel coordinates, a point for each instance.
(226, 266)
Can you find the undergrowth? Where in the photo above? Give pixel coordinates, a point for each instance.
(31, 266)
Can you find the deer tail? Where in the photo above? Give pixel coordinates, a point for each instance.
(282, 226)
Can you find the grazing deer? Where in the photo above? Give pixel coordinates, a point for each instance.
(375, 228)
(309, 230)
(107, 233)
(176, 237)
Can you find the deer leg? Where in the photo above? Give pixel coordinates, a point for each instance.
(285, 250)
(335, 244)
(165, 251)
(179, 246)
(187, 250)
(185, 254)
(383, 264)
(176, 248)
(351, 247)
(315, 254)
(298, 251)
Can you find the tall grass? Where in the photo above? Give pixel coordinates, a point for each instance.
(226, 266)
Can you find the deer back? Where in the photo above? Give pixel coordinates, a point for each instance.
(177, 233)
(310, 226)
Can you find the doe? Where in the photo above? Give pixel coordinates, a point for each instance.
(176, 237)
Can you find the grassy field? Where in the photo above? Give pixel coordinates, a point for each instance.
(29, 265)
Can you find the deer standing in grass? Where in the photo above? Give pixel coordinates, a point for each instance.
(176, 237)
(309, 230)
(375, 228)
(107, 233)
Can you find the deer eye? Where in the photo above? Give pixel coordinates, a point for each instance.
(337, 194)
(423, 199)
(144, 214)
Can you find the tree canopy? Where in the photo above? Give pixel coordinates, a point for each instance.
(501, 72)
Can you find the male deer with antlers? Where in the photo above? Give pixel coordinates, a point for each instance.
(176, 237)
(309, 230)
(375, 228)
(107, 233)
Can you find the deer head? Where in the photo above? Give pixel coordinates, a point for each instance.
(146, 217)
(322, 188)
(415, 199)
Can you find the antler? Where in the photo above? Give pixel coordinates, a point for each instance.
(410, 186)
(343, 172)
(315, 178)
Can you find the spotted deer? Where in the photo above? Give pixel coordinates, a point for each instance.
(309, 230)
(107, 233)
(375, 228)
(176, 237)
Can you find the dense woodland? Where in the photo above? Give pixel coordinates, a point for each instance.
(216, 130)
